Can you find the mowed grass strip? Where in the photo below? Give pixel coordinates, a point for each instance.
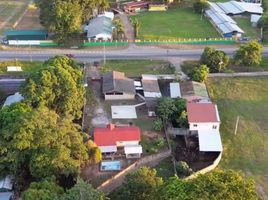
(134, 68)
(174, 23)
(248, 149)
(27, 67)
(245, 24)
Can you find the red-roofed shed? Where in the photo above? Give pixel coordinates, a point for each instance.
(203, 116)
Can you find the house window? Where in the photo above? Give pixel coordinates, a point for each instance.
(195, 125)
(214, 127)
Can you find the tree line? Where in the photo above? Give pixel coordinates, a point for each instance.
(38, 136)
(64, 18)
(145, 184)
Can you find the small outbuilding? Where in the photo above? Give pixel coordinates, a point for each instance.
(116, 86)
(136, 6)
(6, 187)
(100, 28)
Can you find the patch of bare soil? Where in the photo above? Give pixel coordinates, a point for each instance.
(151, 134)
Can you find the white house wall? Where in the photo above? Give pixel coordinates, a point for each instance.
(204, 126)
(119, 97)
(127, 143)
(104, 36)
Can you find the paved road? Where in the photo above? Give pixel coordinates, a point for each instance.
(133, 52)
(10, 85)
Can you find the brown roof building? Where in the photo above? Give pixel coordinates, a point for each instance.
(116, 86)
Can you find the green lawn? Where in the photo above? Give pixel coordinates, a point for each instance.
(245, 25)
(174, 23)
(134, 68)
(248, 149)
(27, 67)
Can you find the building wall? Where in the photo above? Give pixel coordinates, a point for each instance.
(119, 97)
(204, 126)
(127, 143)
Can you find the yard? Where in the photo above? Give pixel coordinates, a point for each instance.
(248, 149)
(10, 12)
(245, 25)
(27, 67)
(134, 68)
(173, 24)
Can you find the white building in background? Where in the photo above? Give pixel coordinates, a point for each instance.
(17, 97)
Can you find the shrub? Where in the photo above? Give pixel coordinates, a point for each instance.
(183, 168)
(199, 74)
(158, 124)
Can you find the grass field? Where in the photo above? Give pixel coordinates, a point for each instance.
(174, 23)
(245, 25)
(134, 68)
(248, 149)
(10, 11)
(27, 67)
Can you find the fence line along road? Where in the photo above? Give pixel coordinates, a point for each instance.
(240, 74)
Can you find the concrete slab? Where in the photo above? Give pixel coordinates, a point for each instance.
(124, 112)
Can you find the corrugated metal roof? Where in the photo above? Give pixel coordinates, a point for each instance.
(175, 90)
(25, 32)
(219, 18)
(209, 141)
(229, 28)
(17, 97)
(100, 25)
(235, 8)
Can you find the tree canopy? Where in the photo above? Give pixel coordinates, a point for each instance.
(65, 17)
(217, 185)
(199, 74)
(249, 54)
(58, 86)
(215, 60)
(43, 190)
(139, 185)
(82, 191)
(39, 141)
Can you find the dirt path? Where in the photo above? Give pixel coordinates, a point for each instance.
(244, 74)
(129, 31)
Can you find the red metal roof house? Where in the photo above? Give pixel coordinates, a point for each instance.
(110, 138)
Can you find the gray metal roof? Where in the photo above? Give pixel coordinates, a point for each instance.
(117, 82)
(100, 25)
(219, 18)
(229, 28)
(236, 8)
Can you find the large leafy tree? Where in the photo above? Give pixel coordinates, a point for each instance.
(39, 141)
(249, 54)
(64, 17)
(82, 191)
(140, 185)
(215, 60)
(218, 185)
(43, 190)
(58, 86)
(165, 108)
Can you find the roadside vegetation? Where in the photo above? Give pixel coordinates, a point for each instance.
(134, 68)
(247, 58)
(26, 66)
(247, 151)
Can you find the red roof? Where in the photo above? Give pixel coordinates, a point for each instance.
(110, 135)
(202, 112)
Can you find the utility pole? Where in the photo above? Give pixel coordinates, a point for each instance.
(236, 125)
(104, 54)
